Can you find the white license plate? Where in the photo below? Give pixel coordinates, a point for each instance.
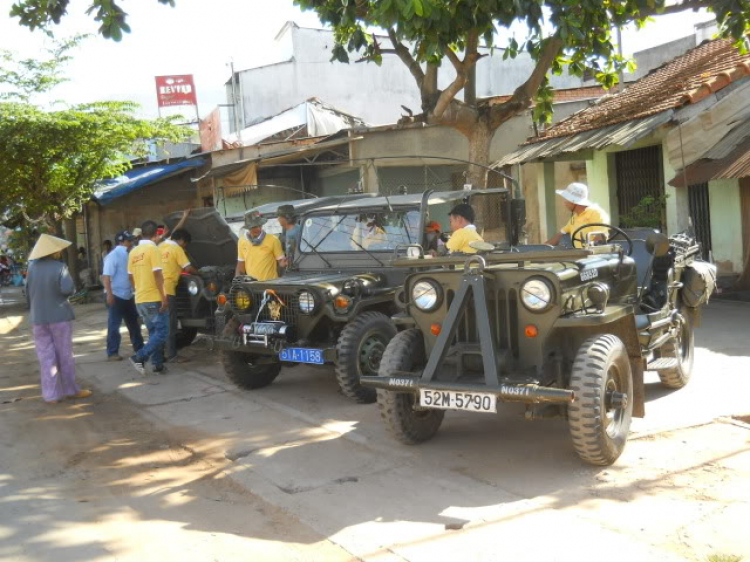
(452, 400)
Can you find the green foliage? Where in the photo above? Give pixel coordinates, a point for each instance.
(432, 27)
(648, 213)
(43, 14)
(50, 160)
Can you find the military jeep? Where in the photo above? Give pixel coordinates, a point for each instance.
(567, 332)
(335, 302)
(213, 251)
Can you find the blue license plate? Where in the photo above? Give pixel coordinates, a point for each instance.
(302, 355)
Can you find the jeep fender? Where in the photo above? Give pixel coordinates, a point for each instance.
(573, 330)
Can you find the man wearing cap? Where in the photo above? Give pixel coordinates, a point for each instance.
(258, 253)
(174, 261)
(120, 299)
(576, 200)
(290, 233)
(464, 231)
(137, 236)
(145, 270)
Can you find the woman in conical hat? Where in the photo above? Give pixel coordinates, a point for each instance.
(48, 286)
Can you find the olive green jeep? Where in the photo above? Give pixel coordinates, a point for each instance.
(567, 332)
(334, 303)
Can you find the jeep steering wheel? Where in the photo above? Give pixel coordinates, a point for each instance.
(617, 233)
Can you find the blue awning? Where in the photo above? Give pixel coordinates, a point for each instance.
(108, 191)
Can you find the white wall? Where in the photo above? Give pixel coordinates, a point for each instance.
(374, 93)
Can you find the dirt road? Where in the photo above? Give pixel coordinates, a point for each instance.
(187, 467)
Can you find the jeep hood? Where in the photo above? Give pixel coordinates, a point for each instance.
(213, 242)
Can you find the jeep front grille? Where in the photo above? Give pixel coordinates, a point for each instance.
(182, 300)
(502, 307)
(289, 312)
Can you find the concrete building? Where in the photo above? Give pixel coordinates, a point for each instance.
(678, 133)
(373, 93)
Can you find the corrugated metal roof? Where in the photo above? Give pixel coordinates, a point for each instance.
(109, 190)
(622, 134)
(278, 157)
(734, 162)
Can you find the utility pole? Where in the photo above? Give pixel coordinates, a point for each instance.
(235, 101)
(621, 75)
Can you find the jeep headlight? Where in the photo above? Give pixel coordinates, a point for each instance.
(193, 287)
(306, 302)
(241, 299)
(426, 295)
(536, 295)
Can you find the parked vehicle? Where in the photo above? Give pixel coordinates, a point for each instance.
(334, 304)
(213, 251)
(567, 332)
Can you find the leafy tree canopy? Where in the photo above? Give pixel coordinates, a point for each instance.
(50, 160)
(43, 14)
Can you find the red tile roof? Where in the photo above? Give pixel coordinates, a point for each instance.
(689, 78)
(561, 95)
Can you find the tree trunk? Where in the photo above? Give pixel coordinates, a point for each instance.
(72, 252)
(480, 140)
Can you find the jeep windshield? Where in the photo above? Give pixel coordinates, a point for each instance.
(372, 232)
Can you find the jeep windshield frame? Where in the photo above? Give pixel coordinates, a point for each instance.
(389, 221)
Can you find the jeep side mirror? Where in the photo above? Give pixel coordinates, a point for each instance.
(657, 244)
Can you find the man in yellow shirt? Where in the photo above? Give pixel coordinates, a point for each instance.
(174, 261)
(464, 231)
(576, 200)
(145, 271)
(258, 253)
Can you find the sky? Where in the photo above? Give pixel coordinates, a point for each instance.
(201, 37)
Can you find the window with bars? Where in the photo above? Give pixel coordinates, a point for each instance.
(700, 215)
(639, 174)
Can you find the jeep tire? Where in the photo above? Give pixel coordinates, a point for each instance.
(681, 348)
(185, 337)
(598, 420)
(242, 369)
(407, 424)
(361, 346)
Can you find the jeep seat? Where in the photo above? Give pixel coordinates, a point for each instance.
(643, 260)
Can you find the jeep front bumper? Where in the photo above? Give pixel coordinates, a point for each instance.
(267, 338)
(524, 393)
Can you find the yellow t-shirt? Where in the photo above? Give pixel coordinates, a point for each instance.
(260, 261)
(459, 240)
(173, 260)
(142, 262)
(592, 214)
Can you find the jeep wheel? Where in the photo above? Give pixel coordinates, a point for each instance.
(185, 336)
(404, 422)
(242, 368)
(599, 417)
(360, 348)
(245, 373)
(681, 348)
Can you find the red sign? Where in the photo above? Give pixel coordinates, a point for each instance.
(175, 90)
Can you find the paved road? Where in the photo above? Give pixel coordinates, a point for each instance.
(487, 488)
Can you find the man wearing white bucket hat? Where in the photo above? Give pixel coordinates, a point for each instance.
(584, 211)
(48, 286)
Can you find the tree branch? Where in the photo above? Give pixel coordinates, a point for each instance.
(462, 74)
(523, 97)
(405, 56)
(472, 54)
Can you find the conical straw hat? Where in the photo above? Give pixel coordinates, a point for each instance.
(48, 245)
